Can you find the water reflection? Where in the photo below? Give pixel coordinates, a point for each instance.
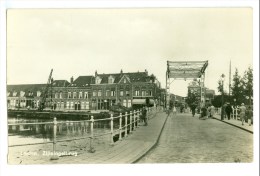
(29, 133)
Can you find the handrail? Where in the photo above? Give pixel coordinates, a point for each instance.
(36, 123)
(132, 120)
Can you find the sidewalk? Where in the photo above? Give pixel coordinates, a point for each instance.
(129, 150)
(236, 123)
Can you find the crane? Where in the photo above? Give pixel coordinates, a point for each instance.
(42, 102)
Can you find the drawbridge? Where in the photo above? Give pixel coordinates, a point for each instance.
(186, 70)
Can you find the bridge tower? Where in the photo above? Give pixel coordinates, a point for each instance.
(186, 70)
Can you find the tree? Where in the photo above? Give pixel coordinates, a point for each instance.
(217, 101)
(237, 88)
(192, 98)
(247, 84)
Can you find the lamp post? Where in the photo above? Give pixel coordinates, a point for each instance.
(222, 78)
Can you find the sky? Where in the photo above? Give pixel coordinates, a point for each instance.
(77, 42)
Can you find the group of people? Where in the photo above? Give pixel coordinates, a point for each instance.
(172, 111)
(207, 112)
(243, 113)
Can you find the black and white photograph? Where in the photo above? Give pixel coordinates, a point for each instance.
(140, 86)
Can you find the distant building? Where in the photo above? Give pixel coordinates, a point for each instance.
(204, 95)
(210, 94)
(195, 88)
(98, 92)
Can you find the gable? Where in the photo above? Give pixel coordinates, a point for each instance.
(124, 80)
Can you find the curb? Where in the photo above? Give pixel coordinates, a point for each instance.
(156, 142)
(234, 125)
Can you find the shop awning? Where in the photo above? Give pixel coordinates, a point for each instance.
(142, 101)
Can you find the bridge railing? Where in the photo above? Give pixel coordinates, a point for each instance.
(234, 114)
(127, 124)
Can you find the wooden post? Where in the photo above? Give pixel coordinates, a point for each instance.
(126, 124)
(147, 114)
(91, 148)
(236, 113)
(112, 129)
(130, 123)
(134, 119)
(120, 126)
(139, 114)
(137, 118)
(54, 156)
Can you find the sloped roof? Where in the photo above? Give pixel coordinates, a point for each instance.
(83, 81)
(134, 77)
(138, 77)
(60, 83)
(27, 88)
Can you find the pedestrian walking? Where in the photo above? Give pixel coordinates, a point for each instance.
(242, 113)
(209, 112)
(228, 110)
(193, 109)
(250, 115)
(144, 114)
(212, 111)
(174, 111)
(203, 115)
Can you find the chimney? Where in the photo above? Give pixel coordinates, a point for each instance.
(146, 72)
(71, 79)
(121, 71)
(95, 73)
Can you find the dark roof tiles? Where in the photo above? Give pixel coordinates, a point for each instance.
(60, 83)
(83, 81)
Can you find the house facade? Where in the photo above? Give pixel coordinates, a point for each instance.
(98, 92)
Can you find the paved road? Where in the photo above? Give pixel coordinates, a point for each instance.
(187, 139)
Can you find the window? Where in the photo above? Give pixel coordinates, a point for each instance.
(80, 94)
(99, 93)
(110, 80)
(124, 80)
(121, 93)
(94, 93)
(69, 94)
(137, 93)
(124, 103)
(14, 94)
(22, 93)
(113, 93)
(143, 93)
(107, 93)
(60, 95)
(129, 103)
(56, 95)
(150, 93)
(86, 95)
(127, 93)
(98, 80)
(74, 94)
(38, 93)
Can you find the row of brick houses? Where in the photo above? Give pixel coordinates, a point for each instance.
(98, 92)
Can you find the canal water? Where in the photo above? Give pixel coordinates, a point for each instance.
(39, 133)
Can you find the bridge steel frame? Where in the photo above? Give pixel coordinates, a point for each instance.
(186, 70)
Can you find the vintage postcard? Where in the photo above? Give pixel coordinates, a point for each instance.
(130, 86)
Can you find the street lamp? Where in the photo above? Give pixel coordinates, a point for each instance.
(222, 78)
